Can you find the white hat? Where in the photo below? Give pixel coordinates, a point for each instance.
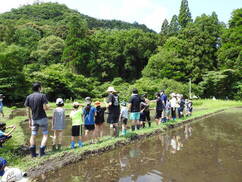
(173, 94)
(14, 174)
(111, 89)
(59, 101)
(76, 104)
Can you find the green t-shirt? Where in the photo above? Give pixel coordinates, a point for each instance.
(76, 117)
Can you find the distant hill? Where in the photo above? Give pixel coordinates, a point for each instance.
(56, 14)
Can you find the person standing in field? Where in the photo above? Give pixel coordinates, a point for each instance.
(164, 100)
(159, 108)
(89, 113)
(1, 104)
(124, 115)
(113, 110)
(147, 109)
(99, 119)
(76, 130)
(58, 124)
(134, 108)
(36, 104)
(173, 102)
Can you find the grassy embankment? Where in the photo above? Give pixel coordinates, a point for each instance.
(201, 107)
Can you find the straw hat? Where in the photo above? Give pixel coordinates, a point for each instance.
(111, 89)
(97, 103)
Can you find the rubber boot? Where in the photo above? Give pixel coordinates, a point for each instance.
(116, 131)
(53, 148)
(143, 124)
(149, 124)
(138, 127)
(80, 144)
(59, 147)
(42, 151)
(72, 145)
(33, 151)
(132, 127)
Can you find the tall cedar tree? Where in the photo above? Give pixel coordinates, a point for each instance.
(185, 16)
(174, 26)
(165, 27)
(76, 49)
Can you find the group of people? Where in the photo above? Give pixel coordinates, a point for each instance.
(88, 119)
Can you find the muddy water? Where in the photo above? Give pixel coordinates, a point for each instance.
(209, 150)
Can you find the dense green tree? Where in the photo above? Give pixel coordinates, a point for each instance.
(185, 16)
(174, 26)
(165, 27)
(203, 42)
(225, 84)
(78, 50)
(49, 50)
(11, 76)
(230, 54)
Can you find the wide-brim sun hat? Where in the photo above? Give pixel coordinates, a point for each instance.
(111, 89)
(59, 101)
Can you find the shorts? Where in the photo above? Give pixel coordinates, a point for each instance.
(124, 120)
(90, 127)
(113, 118)
(40, 123)
(76, 130)
(134, 116)
(158, 114)
(145, 116)
(99, 122)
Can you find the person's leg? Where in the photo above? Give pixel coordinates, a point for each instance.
(101, 130)
(54, 140)
(44, 125)
(34, 131)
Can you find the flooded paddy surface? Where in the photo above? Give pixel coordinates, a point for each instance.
(209, 150)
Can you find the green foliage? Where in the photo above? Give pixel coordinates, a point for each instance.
(174, 26)
(49, 50)
(230, 54)
(222, 84)
(165, 27)
(185, 16)
(59, 82)
(12, 78)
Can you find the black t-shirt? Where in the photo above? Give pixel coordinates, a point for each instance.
(159, 104)
(100, 114)
(36, 101)
(114, 108)
(135, 101)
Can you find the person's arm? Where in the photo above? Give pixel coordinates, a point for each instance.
(9, 133)
(29, 115)
(45, 103)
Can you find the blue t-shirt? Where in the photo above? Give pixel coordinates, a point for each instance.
(164, 98)
(89, 116)
(1, 104)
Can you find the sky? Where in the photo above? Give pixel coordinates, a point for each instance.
(148, 12)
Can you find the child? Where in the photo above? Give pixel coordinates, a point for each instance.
(58, 123)
(99, 119)
(168, 110)
(1, 104)
(143, 106)
(76, 117)
(89, 113)
(11, 174)
(123, 118)
(5, 136)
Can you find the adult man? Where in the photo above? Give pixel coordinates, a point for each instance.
(134, 108)
(36, 104)
(113, 110)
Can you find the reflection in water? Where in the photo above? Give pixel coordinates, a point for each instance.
(200, 152)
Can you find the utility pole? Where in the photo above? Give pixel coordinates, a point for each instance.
(190, 88)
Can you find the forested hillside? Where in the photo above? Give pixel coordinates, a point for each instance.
(74, 55)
